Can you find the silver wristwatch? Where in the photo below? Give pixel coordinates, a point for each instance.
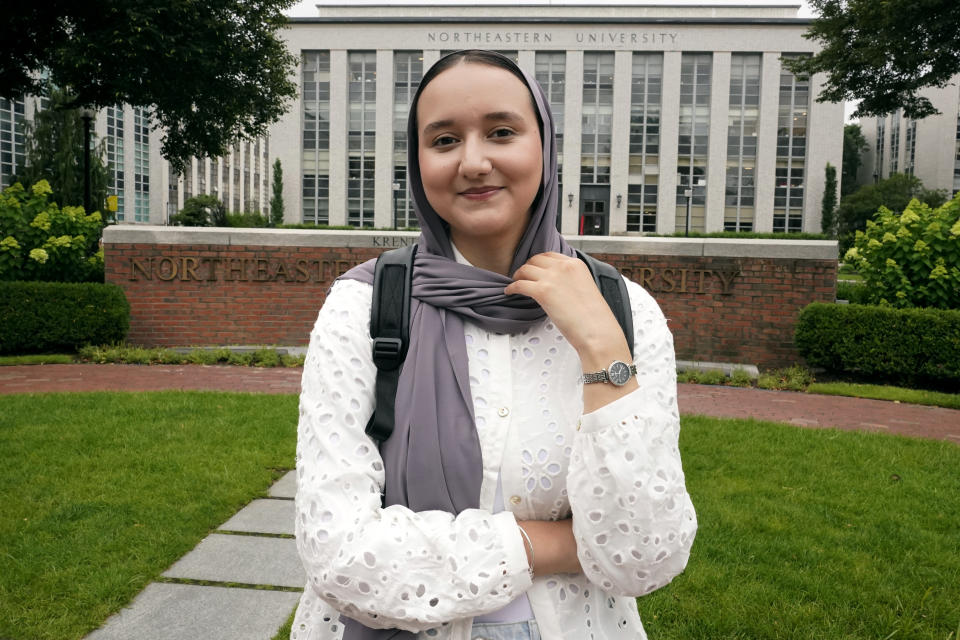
(617, 374)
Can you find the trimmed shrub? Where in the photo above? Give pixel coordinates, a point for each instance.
(853, 292)
(901, 345)
(58, 316)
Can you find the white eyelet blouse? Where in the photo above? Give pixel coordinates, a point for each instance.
(616, 471)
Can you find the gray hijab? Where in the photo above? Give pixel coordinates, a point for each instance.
(433, 461)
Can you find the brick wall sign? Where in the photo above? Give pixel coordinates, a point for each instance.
(730, 301)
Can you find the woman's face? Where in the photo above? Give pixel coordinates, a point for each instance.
(481, 158)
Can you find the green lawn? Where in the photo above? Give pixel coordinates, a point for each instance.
(803, 533)
(103, 491)
(885, 392)
(815, 534)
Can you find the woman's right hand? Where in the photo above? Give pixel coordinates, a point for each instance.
(554, 547)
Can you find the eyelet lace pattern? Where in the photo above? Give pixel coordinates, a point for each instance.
(616, 471)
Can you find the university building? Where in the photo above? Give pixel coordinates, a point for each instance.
(894, 140)
(668, 117)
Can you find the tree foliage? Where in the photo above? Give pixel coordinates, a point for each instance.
(913, 259)
(276, 202)
(829, 204)
(894, 193)
(209, 70)
(854, 144)
(54, 152)
(201, 211)
(884, 53)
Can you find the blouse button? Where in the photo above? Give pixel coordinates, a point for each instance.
(503, 412)
(515, 499)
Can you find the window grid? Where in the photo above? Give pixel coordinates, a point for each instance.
(215, 177)
(551, 73)
(315, 128)
(407, 72)
(361, 137)
(895, 142)
(743, 120)
(696, 71)
(12, 149)
(235, 186)
(881, 133)
(645, 99)
(141, 166)
(956, 156)
(114, 141)
(791, 152)
(911, 147)
(596, 134)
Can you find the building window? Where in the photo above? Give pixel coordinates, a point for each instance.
(696, 71)
(114, 142)
(235, 186)
(361, 137)
(911, 147)
(247, 208)
(407, 72)
(881, 133)
(551, 73)
(895, 142)
(743, 119)
(214, 177)
(645, 93)
(791, 152)
(956, 161)
(141, 165)
(597, 116)
(12, 154)
(201, 176)
(315, 177)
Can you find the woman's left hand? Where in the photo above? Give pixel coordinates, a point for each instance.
(563, 286)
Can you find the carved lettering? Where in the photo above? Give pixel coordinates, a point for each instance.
(171, 271)
(726, 280)
(188, 268)
(147, 271)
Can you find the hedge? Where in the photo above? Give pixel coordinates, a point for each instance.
(901, 345)
(57, 316)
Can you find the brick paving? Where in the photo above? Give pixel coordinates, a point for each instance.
(800, 409)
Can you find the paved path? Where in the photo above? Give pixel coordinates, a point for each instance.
(802, 409)
(209, 592)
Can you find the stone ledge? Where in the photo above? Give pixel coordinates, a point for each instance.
(623, 245)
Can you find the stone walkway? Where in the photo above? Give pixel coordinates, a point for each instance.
(244, 580)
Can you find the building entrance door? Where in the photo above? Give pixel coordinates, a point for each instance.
(594, 210)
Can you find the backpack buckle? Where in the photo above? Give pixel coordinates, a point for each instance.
(387, 353)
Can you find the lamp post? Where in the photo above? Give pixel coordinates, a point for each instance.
(396, 190)
(688, 194)
(87, 115)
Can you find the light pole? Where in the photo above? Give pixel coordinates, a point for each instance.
(396, 191)
(87, 115)
(688, 193)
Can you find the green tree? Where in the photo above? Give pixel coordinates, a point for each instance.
(276, 202)
(54, 152)
(201, 211)
(894, 193)
(913, 259)
(854, 144)
(829, 204)
(883, 53)
(210, 71)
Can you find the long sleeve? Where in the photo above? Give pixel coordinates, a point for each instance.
(388, 568)
(632, 517)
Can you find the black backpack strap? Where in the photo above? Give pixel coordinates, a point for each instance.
(390, 329)
(614, 291)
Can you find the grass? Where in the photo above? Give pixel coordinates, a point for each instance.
(815, 534)
(803, 533)
(884, 392)
(103, 491)
(52, 358)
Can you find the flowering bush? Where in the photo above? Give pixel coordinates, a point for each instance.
(41, 241)
(911, 259)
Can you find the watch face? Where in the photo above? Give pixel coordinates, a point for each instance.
(619, 373)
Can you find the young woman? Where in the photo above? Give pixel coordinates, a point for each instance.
(522, 501)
